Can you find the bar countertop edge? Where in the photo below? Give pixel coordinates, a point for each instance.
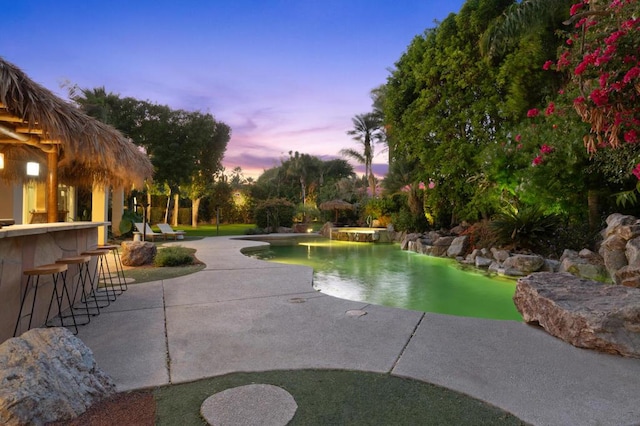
(43, 228)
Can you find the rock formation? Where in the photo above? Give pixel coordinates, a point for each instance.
(138, 253)
(46, 375)
(585, 313)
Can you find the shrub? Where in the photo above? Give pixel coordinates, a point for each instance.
(404, 220)
(184, 215)
(480, 235)
(174, 256)
(526, 228)
(274, 213)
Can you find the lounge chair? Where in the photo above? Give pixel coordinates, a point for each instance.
(167, 231)
(148, 232)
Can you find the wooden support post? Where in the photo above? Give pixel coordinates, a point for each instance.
(100, 210)
(117, 208)
(52, 186)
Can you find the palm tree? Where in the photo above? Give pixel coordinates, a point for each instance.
(366, 130)
(522, 18)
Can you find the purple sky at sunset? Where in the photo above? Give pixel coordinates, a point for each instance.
(286, 75)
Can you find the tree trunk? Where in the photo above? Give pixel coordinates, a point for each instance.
(176, 205)
(195, 206)
(593, 203)
(166, 209)
(147, 210)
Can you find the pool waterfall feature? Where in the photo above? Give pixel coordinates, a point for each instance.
(361, 235)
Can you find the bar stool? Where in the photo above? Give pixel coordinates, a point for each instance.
(102, 271)
(56, 271)
(122, 281)
(82, 262)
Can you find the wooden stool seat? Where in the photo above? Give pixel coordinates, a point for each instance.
(108, 247)
(96, 252)
(74, 260)
(53, 268)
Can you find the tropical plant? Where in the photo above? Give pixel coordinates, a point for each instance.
(523, 228)
(274, 213)
(366, 131)
(174, 256)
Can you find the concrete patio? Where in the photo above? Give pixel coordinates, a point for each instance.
(244, 314)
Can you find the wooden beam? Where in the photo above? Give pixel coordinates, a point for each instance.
(10, 118)
(52, 186)
(27, 130)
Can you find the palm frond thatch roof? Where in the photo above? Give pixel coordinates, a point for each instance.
(89, 150)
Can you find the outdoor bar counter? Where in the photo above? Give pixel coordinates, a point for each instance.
(27, 246)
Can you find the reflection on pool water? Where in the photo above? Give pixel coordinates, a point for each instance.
(385, 275)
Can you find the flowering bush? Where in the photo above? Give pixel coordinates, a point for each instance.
(603, 60)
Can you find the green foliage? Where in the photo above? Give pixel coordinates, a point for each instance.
(274, 213)
(127, 222)
(184, 216)
(524, 228)
(319, 179)
(405, 220)
(307, 213)
(174, 256)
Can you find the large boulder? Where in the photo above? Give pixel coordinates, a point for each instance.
(138, 253)
(47, 375)
(459, 246)
(523, 264)
(441, 245)
(613, 252)
(585, 264)
(615, 221)
(585, 313)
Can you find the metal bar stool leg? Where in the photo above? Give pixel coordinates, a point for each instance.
(59, 296)
(122, 281)
(99, 272)
(79, 261)
(56, 271)
(23, 299)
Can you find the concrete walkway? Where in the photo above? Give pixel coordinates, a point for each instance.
(243, 314)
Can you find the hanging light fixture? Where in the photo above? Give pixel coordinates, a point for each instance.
(1, 160)
(33, 169)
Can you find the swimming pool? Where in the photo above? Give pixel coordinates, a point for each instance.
(385, 275)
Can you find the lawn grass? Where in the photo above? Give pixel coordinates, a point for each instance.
(214, 231)
(339, 397)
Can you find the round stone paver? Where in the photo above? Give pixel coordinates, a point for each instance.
(264, 405)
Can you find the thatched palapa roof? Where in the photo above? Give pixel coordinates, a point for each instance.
(34, 121)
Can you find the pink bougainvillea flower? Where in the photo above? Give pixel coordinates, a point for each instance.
(575, 8)
(599, 97)
(519, 146)
(518, 137)
(636, 171)
(421, 185)
(550, 109)
(432, 184)
(538, 160)
(533, 113)
(546, 149)
(547, 65)
(631, 136)
(632, 74)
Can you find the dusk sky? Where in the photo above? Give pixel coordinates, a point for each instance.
(285, 75)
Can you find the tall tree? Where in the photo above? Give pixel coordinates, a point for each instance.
(366, 131)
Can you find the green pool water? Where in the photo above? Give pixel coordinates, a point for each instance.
(385, 275)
